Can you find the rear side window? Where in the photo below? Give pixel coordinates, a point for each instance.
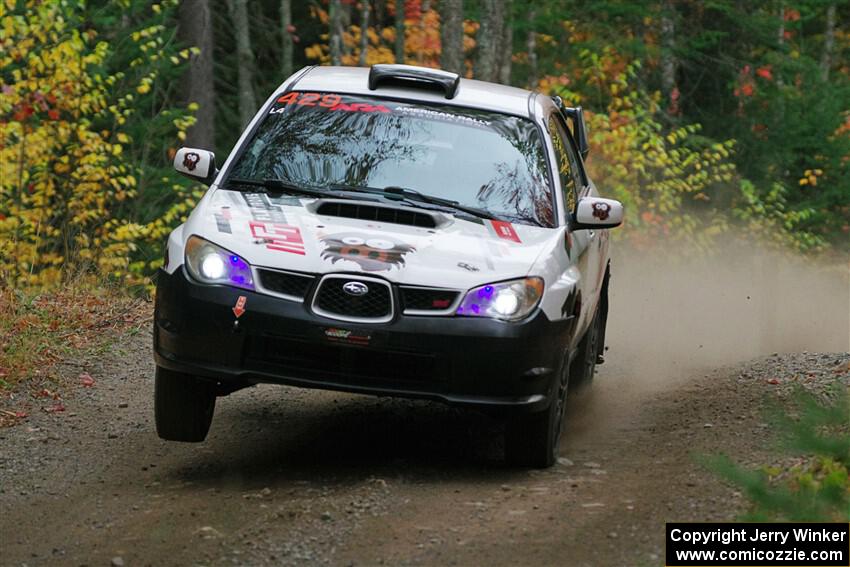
(568, 168)
(475, 157)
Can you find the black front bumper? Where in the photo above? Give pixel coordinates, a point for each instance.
(460, 360)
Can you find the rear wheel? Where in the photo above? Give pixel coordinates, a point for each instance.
(531, 440)
(183, 406)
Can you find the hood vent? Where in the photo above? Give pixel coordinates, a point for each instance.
(378, 213)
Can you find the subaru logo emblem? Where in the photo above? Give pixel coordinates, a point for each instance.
(355, 288)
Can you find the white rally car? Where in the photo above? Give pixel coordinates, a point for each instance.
(396, 231)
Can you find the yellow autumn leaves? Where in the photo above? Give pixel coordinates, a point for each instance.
(63, 175)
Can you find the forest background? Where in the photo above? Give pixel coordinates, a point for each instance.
(704, 117)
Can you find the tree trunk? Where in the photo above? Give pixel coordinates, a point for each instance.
(344, 24)
(828, 43)
(399, 31)
(489, 40)
(247, 100)
(196, 30)
(507, 46)
(669, 61)
(420, 54)
(451, 36)
(531, 48)
(364, 32)
(335, 31)
(288, 45)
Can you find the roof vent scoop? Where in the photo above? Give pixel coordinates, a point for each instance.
(415, 77)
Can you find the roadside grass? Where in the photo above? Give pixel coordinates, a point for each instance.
(810, 480)
(38, 329)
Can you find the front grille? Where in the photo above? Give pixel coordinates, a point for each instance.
(419, 299)
(375, 213)
(310, 359)
(333, 301)
(285, 283)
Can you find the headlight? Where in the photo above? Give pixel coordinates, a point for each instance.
(212, 264)
(509, 301)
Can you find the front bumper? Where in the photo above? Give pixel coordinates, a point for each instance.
(459, 360)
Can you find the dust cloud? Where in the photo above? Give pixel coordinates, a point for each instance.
(677, 315)
(695, 310)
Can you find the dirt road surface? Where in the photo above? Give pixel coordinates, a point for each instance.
(295, 477)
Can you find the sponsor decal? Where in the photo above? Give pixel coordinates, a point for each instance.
(601, 210)
(467, 267)
(444, 116)
(346, 336)
(505, 230)
(278, 237)
(222, 220)
(190, 160)
(331, 102)
(262, 209)
(371, 254)
(239, 308)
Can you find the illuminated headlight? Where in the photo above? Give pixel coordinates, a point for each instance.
(212, 264)
(509, 301)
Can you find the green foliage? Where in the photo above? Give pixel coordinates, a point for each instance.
(814, 488)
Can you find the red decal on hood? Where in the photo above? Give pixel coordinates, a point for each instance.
(279, 237)
(505, 230)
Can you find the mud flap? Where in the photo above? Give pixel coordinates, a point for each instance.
(603, 316)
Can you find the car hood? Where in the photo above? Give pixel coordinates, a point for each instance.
(289, 233)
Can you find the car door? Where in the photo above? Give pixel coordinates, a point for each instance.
(583, 245)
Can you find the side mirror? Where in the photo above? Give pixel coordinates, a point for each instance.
(195, 163)
(596, 212)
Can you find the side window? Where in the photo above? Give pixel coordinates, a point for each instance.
(568, 168)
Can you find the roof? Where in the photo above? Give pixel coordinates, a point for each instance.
(470, 93)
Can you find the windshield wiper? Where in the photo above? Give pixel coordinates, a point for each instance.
(412, 197)
(278, 186)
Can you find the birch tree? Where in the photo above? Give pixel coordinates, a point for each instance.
(451, 35)
(196, 29)
(399, 31)
(364, 29)
(489, 40)
(247, 99)
(335, 23)
(669, 62)
(828, 43)
(531, 49)
(287, 44)
(506, 47)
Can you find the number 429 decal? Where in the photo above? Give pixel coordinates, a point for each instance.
(332, 102)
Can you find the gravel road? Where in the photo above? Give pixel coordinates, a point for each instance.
(294, 477)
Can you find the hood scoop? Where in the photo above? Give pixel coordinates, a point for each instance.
(378, 213)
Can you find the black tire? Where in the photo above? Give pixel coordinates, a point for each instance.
(584, 365)
(183, 406)
(532, 440)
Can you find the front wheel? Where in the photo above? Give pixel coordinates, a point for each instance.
(183, 406)
(532, 440)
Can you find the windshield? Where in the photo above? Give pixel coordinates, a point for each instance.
(478, 158)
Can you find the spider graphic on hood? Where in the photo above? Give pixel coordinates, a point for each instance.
(371, 254)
